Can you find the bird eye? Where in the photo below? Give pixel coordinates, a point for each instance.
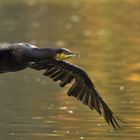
(65, 52)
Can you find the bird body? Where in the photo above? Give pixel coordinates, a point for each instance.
(13, 57)
(18, 56)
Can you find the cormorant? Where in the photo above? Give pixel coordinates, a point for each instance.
(18, 56)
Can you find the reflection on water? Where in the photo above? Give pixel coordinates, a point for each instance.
(106, 34)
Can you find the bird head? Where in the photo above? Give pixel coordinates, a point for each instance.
(63, 54)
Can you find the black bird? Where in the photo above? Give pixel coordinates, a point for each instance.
(18, 56)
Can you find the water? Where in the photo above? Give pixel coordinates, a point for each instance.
(106, 34)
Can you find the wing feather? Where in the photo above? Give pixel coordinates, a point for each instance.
(82, 88)
(59, 76)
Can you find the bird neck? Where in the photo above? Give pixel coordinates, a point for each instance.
(42, 53)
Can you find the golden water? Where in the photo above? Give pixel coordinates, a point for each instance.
(106, 33)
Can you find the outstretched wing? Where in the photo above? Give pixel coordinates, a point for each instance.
(83, 89)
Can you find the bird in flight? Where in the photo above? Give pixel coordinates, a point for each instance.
(18, 56)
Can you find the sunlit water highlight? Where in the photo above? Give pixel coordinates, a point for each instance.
(106, 34)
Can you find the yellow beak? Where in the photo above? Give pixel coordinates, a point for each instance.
(62, 56)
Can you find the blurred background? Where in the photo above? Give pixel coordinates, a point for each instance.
(107, 35)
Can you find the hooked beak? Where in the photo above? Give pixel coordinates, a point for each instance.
(64, 56)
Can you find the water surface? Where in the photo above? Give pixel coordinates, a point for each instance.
(106, 34)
